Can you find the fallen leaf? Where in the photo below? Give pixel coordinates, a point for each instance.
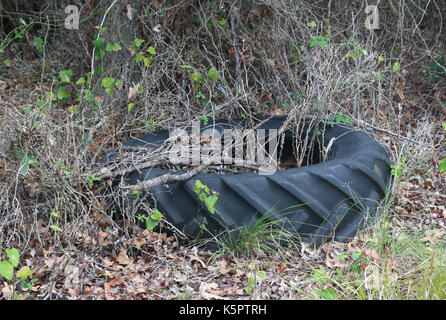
(6, 291)
(108, 262)
(400, 210)
(434, 236)
(139, 242)
(43, 228)
(375, 255)
(370, 253)
(281, 267)
(46, 252)
(207, 295)
(135, 277)
(428, 183)
(179, 277)
(195, 258)
(103, 238)
(71, 273)
(73, 292)
(122, 258)
(116, 282)
(223, 267)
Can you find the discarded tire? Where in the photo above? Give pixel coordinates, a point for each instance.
(327, 200)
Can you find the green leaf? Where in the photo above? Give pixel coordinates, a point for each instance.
(24, 272)
(113, 47)
(139, 57)
(60, 165)
(80, 81)
(109, 90)
(198, 186)
(319, 275)
(442, 166)
(396, 67)
(312, 24)
(17, 34)
(109, 47)
(210, 203)
(327, 294)
(6, 270)
(321, 41)
(107, 82)
(138, 42)
(151, 223)
(156, 215)
(98, 43)
(38, 44)
(24, 168)
(147, 61)
(55, 228)
(213, 75)
(186, 66)
(151, 50)
(14, 256)
(444, 125)
(65, 75)
(201, 95)
(99, 53)
(97, 72)
(194, 76)
(222, 21)
(62, 93)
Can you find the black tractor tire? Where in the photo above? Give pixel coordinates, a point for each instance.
(329, 200)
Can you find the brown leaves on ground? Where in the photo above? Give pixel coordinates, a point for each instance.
(150, 265)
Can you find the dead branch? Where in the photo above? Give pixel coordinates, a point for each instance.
(165, 179)
(235, 42)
